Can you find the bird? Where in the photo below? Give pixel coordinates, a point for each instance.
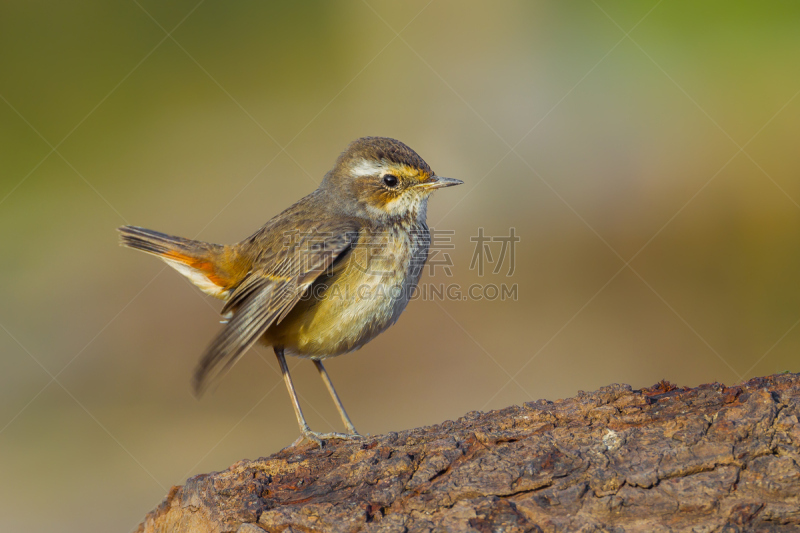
(323, 277)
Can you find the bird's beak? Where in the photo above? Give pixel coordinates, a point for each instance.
(437, 182)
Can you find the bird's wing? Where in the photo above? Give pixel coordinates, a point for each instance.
(266, 295)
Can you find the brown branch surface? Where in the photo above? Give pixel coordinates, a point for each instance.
(662, 459)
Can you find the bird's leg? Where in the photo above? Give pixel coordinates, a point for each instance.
(328, 383)
(301, 420)
(305, 431)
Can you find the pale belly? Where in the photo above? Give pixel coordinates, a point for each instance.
(364, 297)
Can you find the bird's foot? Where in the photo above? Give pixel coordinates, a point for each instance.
(320, 438)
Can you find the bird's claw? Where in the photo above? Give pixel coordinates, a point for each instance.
(320, 438)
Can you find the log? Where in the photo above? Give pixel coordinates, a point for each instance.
(662, 459)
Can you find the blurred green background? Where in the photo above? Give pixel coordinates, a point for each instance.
(645, 152)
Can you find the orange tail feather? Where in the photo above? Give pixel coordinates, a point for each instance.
(203, 263)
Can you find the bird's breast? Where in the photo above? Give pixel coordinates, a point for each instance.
(365, 295)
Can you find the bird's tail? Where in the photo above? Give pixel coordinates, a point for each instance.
(205, 264)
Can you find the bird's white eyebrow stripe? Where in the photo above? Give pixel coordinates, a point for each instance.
(367, 168)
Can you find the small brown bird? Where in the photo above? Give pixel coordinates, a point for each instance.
(322, 278)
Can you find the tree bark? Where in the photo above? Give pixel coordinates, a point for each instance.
(663, 459)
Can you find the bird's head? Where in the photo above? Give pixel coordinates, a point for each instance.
(383, 179)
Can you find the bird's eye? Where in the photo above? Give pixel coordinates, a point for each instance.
(390, 180)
